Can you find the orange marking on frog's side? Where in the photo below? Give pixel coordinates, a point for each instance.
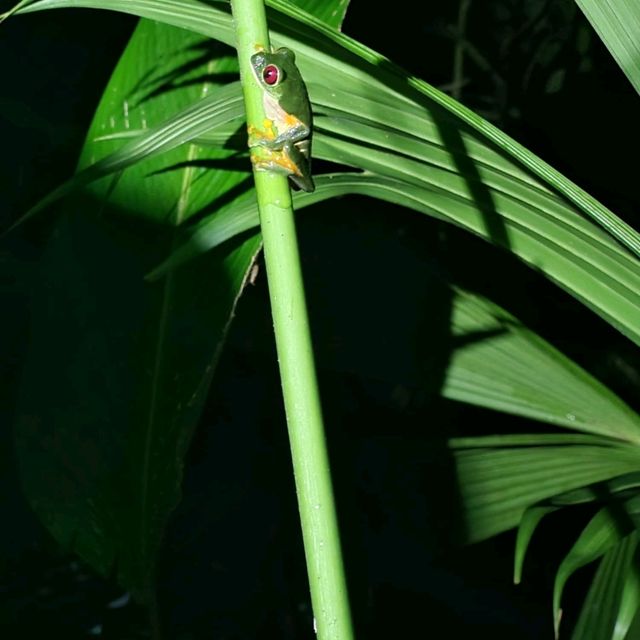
(291, 121)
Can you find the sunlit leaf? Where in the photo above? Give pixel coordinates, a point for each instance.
(605, 530)
(528, 524)
(338, 63)
(629, 602)
(425, 151)
(511, 369)
(610, 602)
(331, 12)
(617, 22)
(622, 487)
(497, 485)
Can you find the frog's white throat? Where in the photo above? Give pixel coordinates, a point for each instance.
(272, 110)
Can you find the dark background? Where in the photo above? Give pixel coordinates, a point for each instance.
(232, 564)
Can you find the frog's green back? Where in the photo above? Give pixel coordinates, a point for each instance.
(293, 96)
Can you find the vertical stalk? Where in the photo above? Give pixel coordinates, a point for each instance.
(458, 52)
(295, 355)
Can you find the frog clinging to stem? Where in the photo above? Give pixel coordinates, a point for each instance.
(286, 139)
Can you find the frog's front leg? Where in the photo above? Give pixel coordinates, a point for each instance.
(263, 137)
(293, 131)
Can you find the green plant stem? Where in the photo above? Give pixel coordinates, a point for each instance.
(295, 354)
(458, 52)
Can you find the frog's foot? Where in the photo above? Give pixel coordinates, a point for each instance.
(276, 161)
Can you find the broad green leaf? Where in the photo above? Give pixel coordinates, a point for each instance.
(511, 369)
(528, 524)
(613, 597)
(605, 530)
(119, 368)
(337, 62)
(497, 485)
(617, 22)
(423, 150)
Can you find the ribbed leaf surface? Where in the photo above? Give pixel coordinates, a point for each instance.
(617, 22)
(606, 530)
(428, 152)
(513, 370)
(613, 599)
(498, 485)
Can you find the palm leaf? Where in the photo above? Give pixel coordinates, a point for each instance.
(612, 601)
(617, 22)
(425, 151)
(497, 485)
(605, 531)
(336, 62)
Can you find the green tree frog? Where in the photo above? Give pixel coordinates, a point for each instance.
(286, 139)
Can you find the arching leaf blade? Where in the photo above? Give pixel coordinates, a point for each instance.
(609, 603)
(498, 485)
(617, 22)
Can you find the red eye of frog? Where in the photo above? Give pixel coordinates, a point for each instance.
(271, 74)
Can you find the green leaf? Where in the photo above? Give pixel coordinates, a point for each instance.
(496, 362)
(609, 282)
(14, 9)
(499, 363)
(629, 602)
(498, 485)
(119, 368)
(331, 12)
(158, 139)
(617, 22)
(634, 627)
(338, 63)
(605, 530)
(528, 524)
(423, 150)
(612, 600)
(622, 487)
(509, 368)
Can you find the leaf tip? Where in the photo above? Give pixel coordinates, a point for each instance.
(556, 623)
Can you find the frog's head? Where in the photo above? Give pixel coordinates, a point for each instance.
(277, 73)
